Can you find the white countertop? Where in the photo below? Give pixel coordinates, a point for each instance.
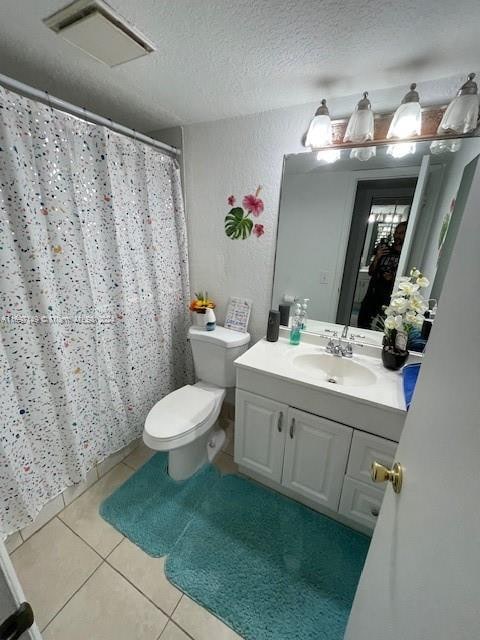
(276, 359)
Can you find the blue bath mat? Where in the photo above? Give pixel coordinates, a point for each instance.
(269, 567)
(152, 510)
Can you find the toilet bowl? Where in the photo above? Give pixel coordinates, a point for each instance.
(184, 423)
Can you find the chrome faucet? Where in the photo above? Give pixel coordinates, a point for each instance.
(342, 348)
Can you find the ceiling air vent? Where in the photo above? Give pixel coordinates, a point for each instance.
(92, 26)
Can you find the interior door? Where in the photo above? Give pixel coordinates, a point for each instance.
(16, 616)
(316, 454)
(417, 205)
(421, 579)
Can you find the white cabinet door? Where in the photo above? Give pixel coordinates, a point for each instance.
(316, 456)
(260, 426)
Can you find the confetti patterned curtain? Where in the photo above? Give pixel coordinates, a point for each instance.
(93, 292)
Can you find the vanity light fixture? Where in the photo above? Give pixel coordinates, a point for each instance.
(461, 115)
(363, 153)
(360, 127)
(407, 119)
(444, 146)
(329, 156)
(406, 123)
(320, 130)
(401, 149)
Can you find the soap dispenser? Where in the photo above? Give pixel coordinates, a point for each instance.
(296, 328)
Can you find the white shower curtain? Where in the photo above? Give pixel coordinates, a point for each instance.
(93, 291)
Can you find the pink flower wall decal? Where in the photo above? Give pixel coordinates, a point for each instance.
(238, 221)
(253, 204)
(258, 230)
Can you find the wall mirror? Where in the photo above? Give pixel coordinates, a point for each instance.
(349, 229)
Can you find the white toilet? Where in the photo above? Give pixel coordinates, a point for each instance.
(184, 423)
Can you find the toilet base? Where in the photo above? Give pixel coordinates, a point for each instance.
(187, 460)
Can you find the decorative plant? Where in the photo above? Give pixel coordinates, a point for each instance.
(238, 221)
(406, 310)
(201, 303)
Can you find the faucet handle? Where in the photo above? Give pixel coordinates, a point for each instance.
(332, 331)
(359, 336)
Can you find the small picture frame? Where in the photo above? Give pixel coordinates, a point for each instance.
(238, 314)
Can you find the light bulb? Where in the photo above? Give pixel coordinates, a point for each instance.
(401, 149)
(461, 115)
(320, 130)
(445, 146)
(328, 155)
(360, 127)
(407, 119)
(363, 153)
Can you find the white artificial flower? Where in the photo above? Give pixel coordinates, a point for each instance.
(388, 311)
(399, 305)
(404, 279)
(390, 322)
(399, 323)
(418, 304)
(419, 320)
(423, 282)
(415, 273)
(408, 287)
(411, 317)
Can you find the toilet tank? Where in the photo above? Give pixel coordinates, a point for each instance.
(214, 353)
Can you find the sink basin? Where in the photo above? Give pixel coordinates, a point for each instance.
(341, 371)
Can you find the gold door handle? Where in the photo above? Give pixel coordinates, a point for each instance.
(381, 473)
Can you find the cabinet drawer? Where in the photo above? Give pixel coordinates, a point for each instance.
(365, 450)
(360, 502)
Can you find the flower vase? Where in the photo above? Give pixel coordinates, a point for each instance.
(200, 318)
(393, 358)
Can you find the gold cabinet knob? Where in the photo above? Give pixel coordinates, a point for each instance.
(381, 473)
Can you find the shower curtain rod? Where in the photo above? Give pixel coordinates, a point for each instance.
(80, 112)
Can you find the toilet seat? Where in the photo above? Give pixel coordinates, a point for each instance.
(180, 415)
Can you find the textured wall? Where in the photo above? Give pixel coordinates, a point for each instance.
(234, 156)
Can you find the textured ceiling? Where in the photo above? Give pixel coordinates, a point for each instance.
(222, 58)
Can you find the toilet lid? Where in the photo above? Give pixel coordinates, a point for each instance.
(179, 412)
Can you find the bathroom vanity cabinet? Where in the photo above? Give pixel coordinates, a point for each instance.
(312, 446)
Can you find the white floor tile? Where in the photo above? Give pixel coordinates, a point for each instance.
(48, 512)
(200, 623)
(13, 541)
(76, 490)
(82, 515)
(107, 607)
(146, 573)
(139, 456)
(172, 632)
(51, 565)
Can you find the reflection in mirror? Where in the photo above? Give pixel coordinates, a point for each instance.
(349, 230)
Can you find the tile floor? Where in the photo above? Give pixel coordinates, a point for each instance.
(85, 580)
